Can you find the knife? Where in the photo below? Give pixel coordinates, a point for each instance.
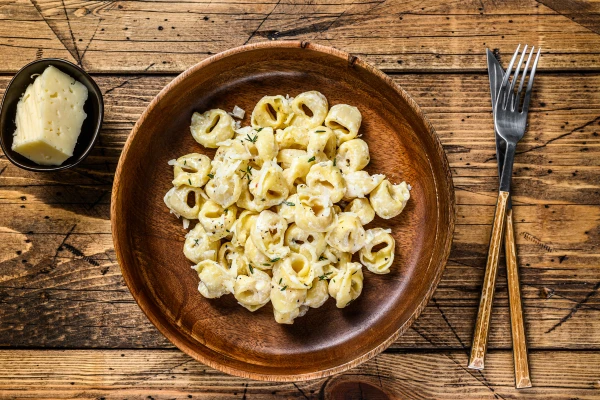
(522, 378)
(496, 73)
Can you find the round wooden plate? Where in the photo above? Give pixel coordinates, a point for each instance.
(149, 240)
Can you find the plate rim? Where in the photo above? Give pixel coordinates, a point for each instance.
(180, 342)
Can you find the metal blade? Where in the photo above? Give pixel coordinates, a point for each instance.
(496, 74)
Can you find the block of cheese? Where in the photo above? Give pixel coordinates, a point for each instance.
(49, 118)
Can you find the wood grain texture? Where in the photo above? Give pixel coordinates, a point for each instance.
(484, 313)
(61, 287)
(148, 240)
(415, 35)
(522, 378)
(55, 296)
(170, 374)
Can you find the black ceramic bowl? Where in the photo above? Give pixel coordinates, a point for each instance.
(93, 107)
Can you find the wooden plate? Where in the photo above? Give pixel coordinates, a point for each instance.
(149, 241)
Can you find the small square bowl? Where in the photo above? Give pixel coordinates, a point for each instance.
(93, 107)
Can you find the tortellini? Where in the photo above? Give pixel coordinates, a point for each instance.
(295, 271)
(212, 127)
(268, 233)
(288, 303)
(286, 208)
(296, 237)
(378, 261)
(232, 258)
(231, 153)
(325, 178)
(216, 220)
(347, 284)
(310, 109)
(225, 186)
(292, 137)
(198, 246)
(348, 235)
(359, 184)
(255, 257)
(280, 208)
(191, 169)
(363, 210)
(389, 200)
(353, 156)
(215, 280)
(296, 173)
(241, 228)
(336, 257)
(268, 185)
(318, 293)
(249, 202)
(252, 291)
(272, 112)
(314, 211)
(321, 143)
(260, 144)
(185, 201)
(345, 122)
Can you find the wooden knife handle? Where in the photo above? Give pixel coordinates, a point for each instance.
(522, 379)
(482, 326)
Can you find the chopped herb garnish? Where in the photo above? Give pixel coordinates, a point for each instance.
(334, 161)
(266, 264)
(320, 131)
(275, 259)
(247, 173)
(196, 241)
(322, 258)
(251, 139)
(324, 276)
(211, 176)
(289, 203)
(190, 182)
(259, 129)
(184, 162)
(283, 288)
(280, 279)
(311, 159)
(251, 268)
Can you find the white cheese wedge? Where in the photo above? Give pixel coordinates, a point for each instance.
(49, 118)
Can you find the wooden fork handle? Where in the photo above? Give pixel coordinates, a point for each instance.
(522, 379)
(480, 336)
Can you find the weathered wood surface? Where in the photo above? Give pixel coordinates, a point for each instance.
(61, 286)
(170, 374)
(415, 35)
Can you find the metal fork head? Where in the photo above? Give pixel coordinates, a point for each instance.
(511, 113)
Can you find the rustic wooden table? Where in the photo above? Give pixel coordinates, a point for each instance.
(70, 328)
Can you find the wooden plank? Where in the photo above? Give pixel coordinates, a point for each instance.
(61, 286)
(416, 35)
(169, 374)
(26, 36)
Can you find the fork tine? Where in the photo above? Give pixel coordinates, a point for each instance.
(503, 95)
(525, 72)
(516, 76)
(530, 83)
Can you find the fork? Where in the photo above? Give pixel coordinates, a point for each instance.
(510, 119)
